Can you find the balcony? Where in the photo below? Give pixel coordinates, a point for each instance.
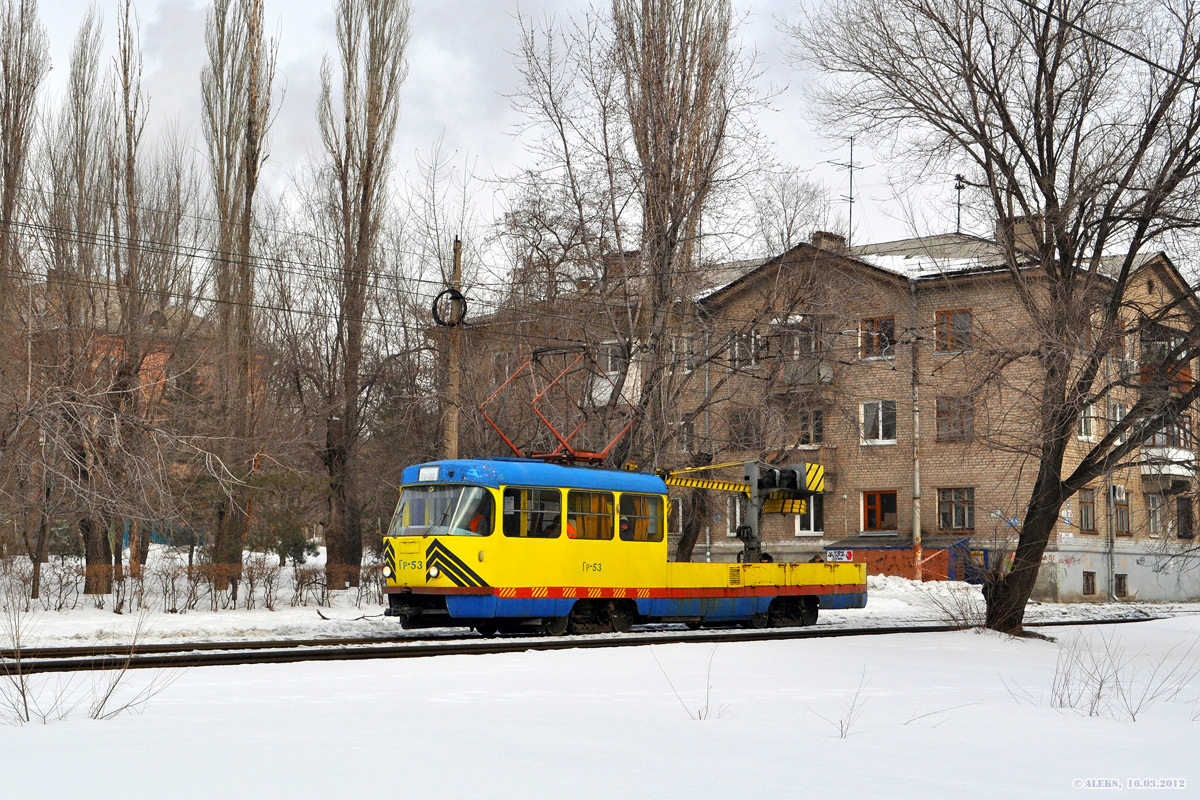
(1162, 464)
(806, 372)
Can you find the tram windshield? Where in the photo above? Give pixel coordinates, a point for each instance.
(443, 510)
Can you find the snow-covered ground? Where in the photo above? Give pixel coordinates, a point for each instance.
(911, 715)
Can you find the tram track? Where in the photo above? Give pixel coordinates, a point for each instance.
(230, 653)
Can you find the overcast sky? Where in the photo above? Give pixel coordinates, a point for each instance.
(461, 72)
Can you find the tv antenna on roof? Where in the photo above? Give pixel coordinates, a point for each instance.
(849, 166)
(960, 183)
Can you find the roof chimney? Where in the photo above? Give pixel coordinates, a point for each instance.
(1023, 232)
(824, 240)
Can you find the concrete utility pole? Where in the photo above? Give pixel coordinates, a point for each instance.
(450, 448)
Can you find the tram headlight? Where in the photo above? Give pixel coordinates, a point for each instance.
(387, 571)
(433, 572)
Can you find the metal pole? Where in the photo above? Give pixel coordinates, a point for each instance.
(918, 569)
(450, 447)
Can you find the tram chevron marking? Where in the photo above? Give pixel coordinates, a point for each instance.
(436, 555)
(389, 558)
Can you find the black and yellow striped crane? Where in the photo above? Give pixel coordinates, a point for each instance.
(768, 490)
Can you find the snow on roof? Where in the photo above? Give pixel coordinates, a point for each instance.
(711, 278)
(931, 256)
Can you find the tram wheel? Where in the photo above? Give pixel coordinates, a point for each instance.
(555, 626)
(760, 621)
(808, 616)
(486, 629)
(621, 619)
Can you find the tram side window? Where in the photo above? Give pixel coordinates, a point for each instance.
(532, 513)
(590, 515)
(641, 518)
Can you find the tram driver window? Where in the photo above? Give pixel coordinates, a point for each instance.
(532, 513)
(590, 515)
(641, 518)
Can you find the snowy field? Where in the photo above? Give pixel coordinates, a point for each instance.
(915, 715)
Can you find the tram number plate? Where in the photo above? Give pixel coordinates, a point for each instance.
(839, 555)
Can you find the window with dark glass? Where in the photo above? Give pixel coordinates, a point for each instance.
(956, 509)
(1184, 521)
(879, 511)
(810, 426)
(532, 513)
(1087, 510)
(878, 336)
(953, 331)
(1089, 582)
(1120, 584)
(1120, 512)
(955, 419)
(641, 518)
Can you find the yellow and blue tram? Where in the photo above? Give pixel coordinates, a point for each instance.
(509, 544)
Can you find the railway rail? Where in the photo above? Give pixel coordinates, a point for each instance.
(210, 654)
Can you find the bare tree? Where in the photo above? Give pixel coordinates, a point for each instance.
(1081, 118)
(24, 62)
(642, 115)
(358, 127)
(236, 87)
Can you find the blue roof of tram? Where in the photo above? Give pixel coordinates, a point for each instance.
(496, 472)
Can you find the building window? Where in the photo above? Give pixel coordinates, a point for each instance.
(1089, 583)
(1120, 584)
(879, 511)
(1120, 508)
(675, 518)
(810, 426)
(1164, 360)
(953, 331)
(812, 521)
(743, 348)
(612, 359)
(1154, 504)
(1085, 427)
(1116, 415)
(955, 419)
(956, 509)
(684, 356)
(1087, 510)
(877, 337)
(685, 436)
(1177, 433)
(1184, 522)
(735, 511)
(879, 422)
(747, 427)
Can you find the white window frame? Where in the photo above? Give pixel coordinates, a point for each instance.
(1154, 518)
(734, 511)
(878, 413)
(610, 351)
(1085, 425)
(810, 531)
(675, 518)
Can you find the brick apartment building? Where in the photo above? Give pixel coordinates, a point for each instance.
(891, 366)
